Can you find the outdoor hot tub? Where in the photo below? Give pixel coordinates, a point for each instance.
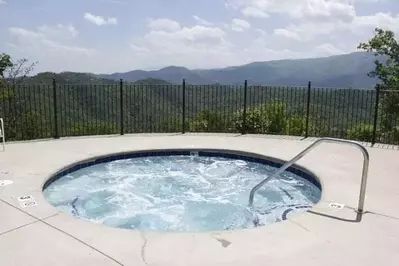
(181, 190)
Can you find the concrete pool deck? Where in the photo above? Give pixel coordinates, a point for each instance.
(43, 236)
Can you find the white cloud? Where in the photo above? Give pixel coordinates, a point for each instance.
(60, 47)
(299, 9)
(202, 22)
(186, 38)
(365, 24)
(308, 31)
(99, 20)
(139, 49)
(163, 24)
(177, 44)
(240, 24)
(3, 2)
(328, 49)
(361, 27)
(287, 33)
(43, 38)
(59, 31)
(254, 12)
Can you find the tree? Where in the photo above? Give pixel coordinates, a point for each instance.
(385, 45)
(5, 63)
(12, 73)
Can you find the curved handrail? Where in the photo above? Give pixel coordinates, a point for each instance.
(2, 134)
(308, 149)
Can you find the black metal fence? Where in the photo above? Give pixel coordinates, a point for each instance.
(58, 110)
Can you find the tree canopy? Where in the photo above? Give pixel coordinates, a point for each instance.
(384, 44)
(13, 72)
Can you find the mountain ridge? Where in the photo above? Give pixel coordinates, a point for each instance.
(348, 70)
(340, 71)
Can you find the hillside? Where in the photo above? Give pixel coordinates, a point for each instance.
(46, 78)
(152, 81)
(67, 78)
(335, 71)
(349, 70)
(171, 74)
(341, 71)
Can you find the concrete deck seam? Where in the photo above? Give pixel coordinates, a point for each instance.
(15, 207)
(374, 213)
(84, 243)
(17, 228)
(22, 226)
(383, 215)
(44, 222)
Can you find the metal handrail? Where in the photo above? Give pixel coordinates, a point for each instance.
(2, 134)
(308, 149)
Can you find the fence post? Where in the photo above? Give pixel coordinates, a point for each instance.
(121, 104)
(183, 130)
(308, 110)
(377, 102)
(55, 109)
(244, 120)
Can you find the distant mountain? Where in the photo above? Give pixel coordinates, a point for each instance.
(349, 70)
(68, 78)
(171, 74)
(345, 71)
(83, 78)
(152, 81)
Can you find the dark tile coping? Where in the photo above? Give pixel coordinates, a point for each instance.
(237, 155)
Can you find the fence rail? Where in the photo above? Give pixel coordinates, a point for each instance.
(59, 110)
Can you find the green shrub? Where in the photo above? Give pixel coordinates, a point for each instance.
(389, 136)
(171, 124)
(208, 121)
(266, 118)
(30, 125)
(296, 126)
(100, 128)
(362, 132)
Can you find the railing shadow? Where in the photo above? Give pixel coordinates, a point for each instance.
(358, 218)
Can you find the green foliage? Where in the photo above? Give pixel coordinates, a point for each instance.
(171, 124)
(389, 110)
(362, 132)
(207, 121)
(5, 93)
(29, 125)
(296, 126)
(384, 44)
(100, 128)
(267, 118)
(5, 63)
(389, 136)
(152, 81)
(30, 129)
(68, 78)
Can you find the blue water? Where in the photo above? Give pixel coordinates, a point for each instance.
(180, 193)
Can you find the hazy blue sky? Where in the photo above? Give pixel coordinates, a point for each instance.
(103, 36)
